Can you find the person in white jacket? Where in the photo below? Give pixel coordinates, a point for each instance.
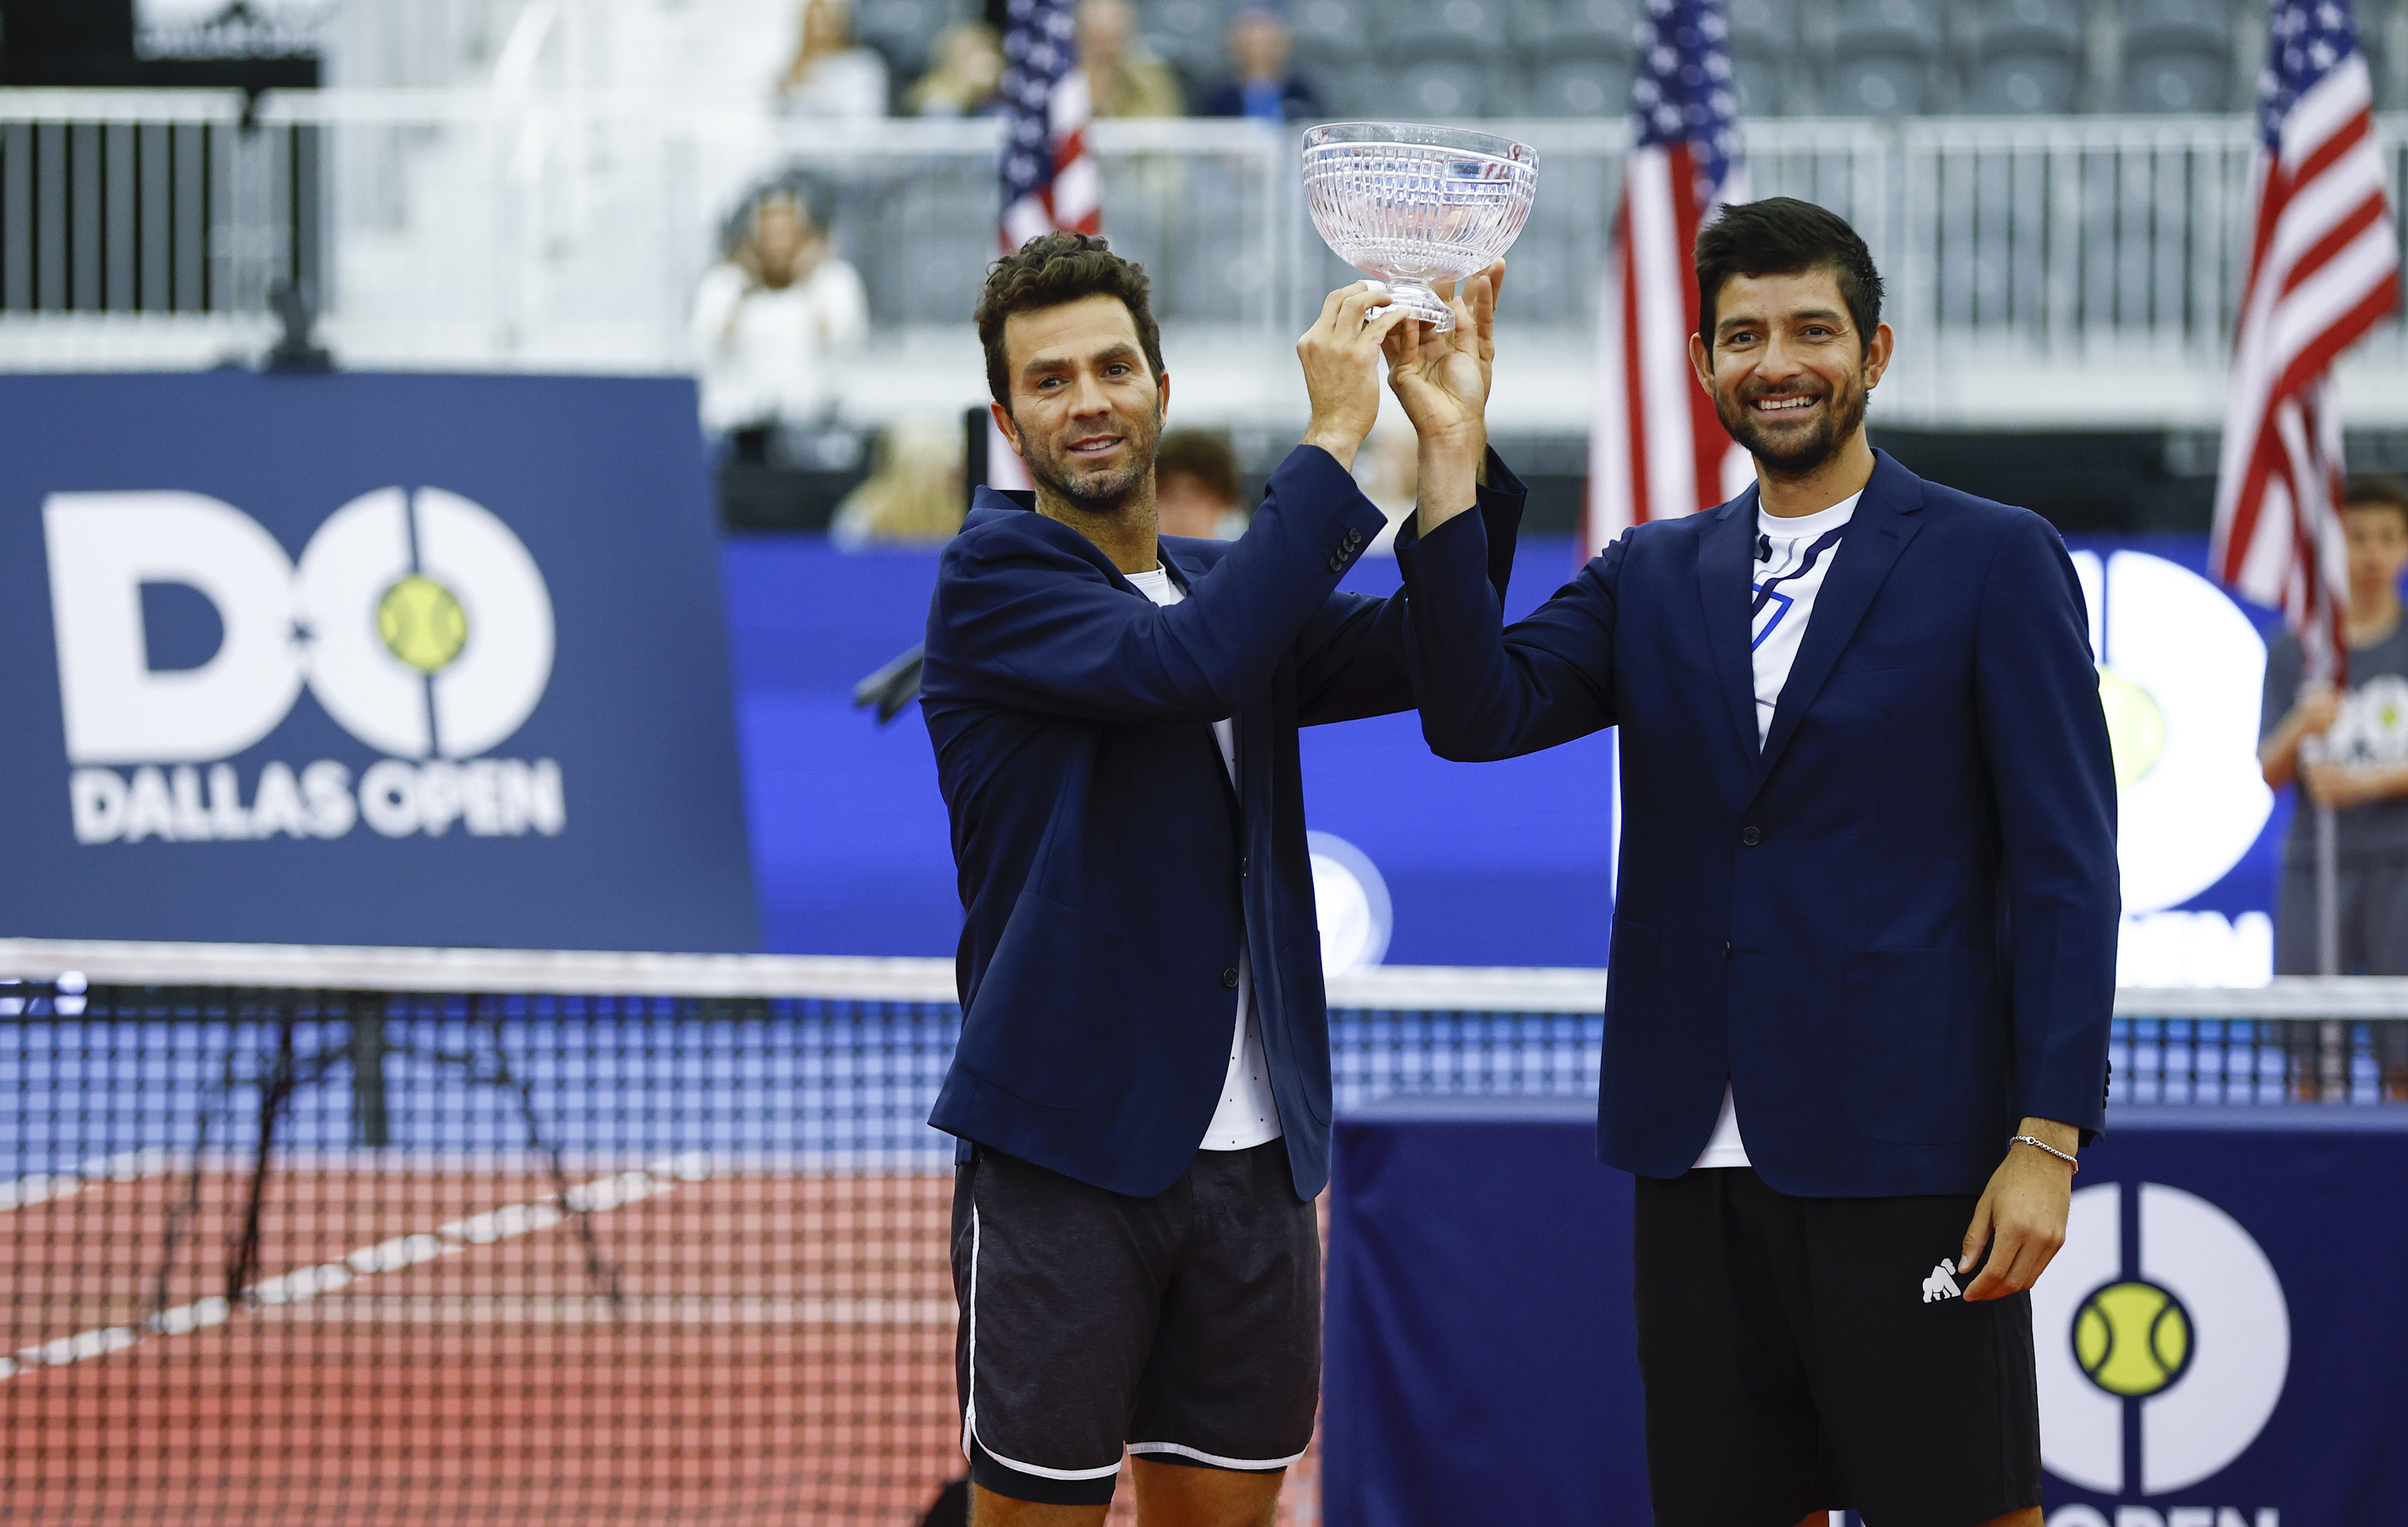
(768, 319)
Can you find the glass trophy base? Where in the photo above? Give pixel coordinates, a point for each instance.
(1415, 297)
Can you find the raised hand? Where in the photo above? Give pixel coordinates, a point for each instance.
(1341, 367)
(1443, 379)
(1442, 382)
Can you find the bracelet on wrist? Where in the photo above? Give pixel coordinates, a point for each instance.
(2038, 1143)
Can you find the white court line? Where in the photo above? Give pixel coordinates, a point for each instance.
(42, 1187)
(598, 1196)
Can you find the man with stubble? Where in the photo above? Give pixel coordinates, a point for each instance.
(1864, 943)
(1141, 1088)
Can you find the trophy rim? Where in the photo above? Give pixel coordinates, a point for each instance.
(1421, 136)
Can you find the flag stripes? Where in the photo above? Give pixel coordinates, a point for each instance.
(2324, 269)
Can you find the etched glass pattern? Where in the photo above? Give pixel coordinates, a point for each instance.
(1409, 205)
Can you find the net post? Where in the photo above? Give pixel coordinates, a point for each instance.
(371, 1123)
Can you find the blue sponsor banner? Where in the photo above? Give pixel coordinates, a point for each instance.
(1467, 864)
(365, 659)
(2217, 1342)
(1508, 862)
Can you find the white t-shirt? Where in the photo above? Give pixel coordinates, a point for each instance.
(1248, 1115)
(1792, 558)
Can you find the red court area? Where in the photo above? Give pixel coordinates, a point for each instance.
(661, 1343)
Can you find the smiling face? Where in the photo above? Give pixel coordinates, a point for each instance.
(1085, 407)
(1788, 371)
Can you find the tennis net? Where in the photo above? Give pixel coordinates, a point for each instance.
(387, 1236)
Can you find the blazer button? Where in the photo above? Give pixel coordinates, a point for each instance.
(1337, 561)
(1229, 977)
(1245, 866)
(1727, 949)
(1750, 836)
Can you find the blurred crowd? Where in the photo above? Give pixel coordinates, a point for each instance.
(773, 318)
(833, 74)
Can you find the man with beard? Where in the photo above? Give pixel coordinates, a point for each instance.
(1864, 943)
(1141, 1088)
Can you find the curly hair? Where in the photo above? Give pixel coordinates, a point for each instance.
(1047, 271)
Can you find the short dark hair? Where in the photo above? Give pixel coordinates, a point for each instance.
(1047, 271)
(1779, 236)
(2376, 490)
(1202, 454)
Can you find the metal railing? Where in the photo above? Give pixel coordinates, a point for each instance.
(502, 228)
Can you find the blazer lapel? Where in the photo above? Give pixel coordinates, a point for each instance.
(1726, 555)
(1878, 531)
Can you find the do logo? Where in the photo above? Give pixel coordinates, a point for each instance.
(2180, 1316)
(417, 619)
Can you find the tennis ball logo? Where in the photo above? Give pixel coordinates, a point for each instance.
(2136, 727)
(2162, 1339)
(375, 618)
(421, 624)
(2132, 1339)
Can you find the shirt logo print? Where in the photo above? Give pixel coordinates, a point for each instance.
(1769, 591)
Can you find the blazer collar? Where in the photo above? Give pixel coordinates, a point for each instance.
(1885, 520)
(1017, 509)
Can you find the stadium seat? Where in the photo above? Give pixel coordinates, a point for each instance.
(2383, 32)
(1429, 31)
(1357, 90)
(2025, 57)
(1879, 57)
(1189, 34)
(1439, 88)
(1551, 30)
(903, 30)
(1764, 53)
(1575, 87)
(1331, 37)
(2178, 56)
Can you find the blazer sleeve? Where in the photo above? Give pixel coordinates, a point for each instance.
(1350, 658)
(1034, 623)
(2044, 737)
(1489, 693)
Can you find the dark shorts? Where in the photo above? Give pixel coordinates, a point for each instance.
(1184, 1327)
(1813, 1354)
(2373, 920)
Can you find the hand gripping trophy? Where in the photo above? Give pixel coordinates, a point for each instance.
(1410, 206)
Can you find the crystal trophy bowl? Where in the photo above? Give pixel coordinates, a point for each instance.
(1409, 206)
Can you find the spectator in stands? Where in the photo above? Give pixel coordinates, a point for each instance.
(2363, 770)
(768, 317)
(914, 495)
(964, 75)
(832, 76)
(1262, 81)
(1196, 486)
(1124, 77)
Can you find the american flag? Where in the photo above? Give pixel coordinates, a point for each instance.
(1657, 449)
(1049, 180)
(2324, 266)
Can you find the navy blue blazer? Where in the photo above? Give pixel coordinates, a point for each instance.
(1891, 928)
(1107, 868)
